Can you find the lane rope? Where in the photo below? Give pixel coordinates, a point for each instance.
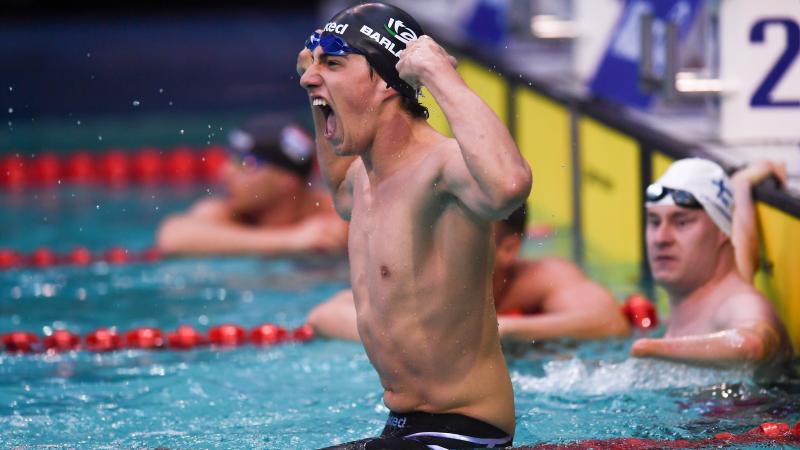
(115, 167)
(185, 337)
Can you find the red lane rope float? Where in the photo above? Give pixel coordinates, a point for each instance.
(115, 167)
(768, 432)
(640, 312)
(183, 338)
(79, 256)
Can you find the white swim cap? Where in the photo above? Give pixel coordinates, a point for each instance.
(706, 181)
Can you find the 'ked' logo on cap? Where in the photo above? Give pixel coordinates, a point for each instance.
(337, 28)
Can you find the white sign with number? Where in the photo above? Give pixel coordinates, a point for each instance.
(595, 20)
(759, 44)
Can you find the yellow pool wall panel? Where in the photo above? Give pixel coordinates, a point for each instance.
(781, 251)
(436, 117)
(542, 133)
(659, 163)
(610, 199)
(490, 86)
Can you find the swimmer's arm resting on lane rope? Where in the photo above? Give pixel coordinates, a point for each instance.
(489, 176)
(187, 235)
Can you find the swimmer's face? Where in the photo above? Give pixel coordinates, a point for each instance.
(346, 99)
(683, 246)
(254, 190)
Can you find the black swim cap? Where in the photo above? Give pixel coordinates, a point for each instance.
(381, 32)
(273, 141)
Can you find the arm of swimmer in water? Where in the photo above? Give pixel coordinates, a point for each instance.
(336, 317)
(725, 348)
(490, 176)
(192, 236)
(744, 233)
(576, 325)
(332, 167)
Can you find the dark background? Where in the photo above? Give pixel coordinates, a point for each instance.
(78, 59)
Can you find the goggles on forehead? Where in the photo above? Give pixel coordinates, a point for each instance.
(331, 44)
(656, 192)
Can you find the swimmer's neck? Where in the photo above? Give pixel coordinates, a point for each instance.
(397, 143)
(726, 274)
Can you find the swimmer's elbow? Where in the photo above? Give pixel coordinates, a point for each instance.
(170, 235)
(512, 192)
(754, 348)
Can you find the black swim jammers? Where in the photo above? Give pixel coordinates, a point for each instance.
(426, 431)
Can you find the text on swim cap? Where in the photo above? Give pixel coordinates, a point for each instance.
(337, 28)
(402, 33)
(381, 40)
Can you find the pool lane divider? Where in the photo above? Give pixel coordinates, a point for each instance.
(79, 256)
(184, 337)
(115, 167)
(769, 433)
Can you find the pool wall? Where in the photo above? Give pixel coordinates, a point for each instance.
(591, 162)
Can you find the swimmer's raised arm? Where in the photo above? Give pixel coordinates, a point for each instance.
(489, 176)
(745, 226)
(333, 168)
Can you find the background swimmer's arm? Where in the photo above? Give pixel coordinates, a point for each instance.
(744, 233)
(334, 169)
(569, 305)
(489, 175)
(187, 235)
(725, 348)
(336, 317)
(577, 324)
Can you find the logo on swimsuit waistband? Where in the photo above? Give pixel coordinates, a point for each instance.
(397, 422)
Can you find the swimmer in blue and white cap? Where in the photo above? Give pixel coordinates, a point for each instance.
(421, 208)
(699, 248)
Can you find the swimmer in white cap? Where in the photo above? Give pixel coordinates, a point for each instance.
(695, 238)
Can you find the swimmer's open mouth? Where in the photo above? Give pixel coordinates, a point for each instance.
(327, 113)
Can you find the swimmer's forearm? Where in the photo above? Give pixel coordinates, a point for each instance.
(744, 234)
(725, 348)
(559, 325)
(489, 151)
(192, 237)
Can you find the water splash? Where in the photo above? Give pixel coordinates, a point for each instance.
(576, 376)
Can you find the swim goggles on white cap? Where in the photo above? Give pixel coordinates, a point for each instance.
(656, 192)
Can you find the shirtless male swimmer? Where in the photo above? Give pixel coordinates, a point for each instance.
(421, 208)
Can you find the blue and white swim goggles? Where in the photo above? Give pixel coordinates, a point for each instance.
(331, 44)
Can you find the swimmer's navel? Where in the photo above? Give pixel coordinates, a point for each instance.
(385, 273)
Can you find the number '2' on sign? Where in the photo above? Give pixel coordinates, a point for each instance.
(759, 46)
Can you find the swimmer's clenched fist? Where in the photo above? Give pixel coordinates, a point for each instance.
(423, 58)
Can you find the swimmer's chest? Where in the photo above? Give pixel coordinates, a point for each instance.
(394, 223)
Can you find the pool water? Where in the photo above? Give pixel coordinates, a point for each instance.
(290, 395)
